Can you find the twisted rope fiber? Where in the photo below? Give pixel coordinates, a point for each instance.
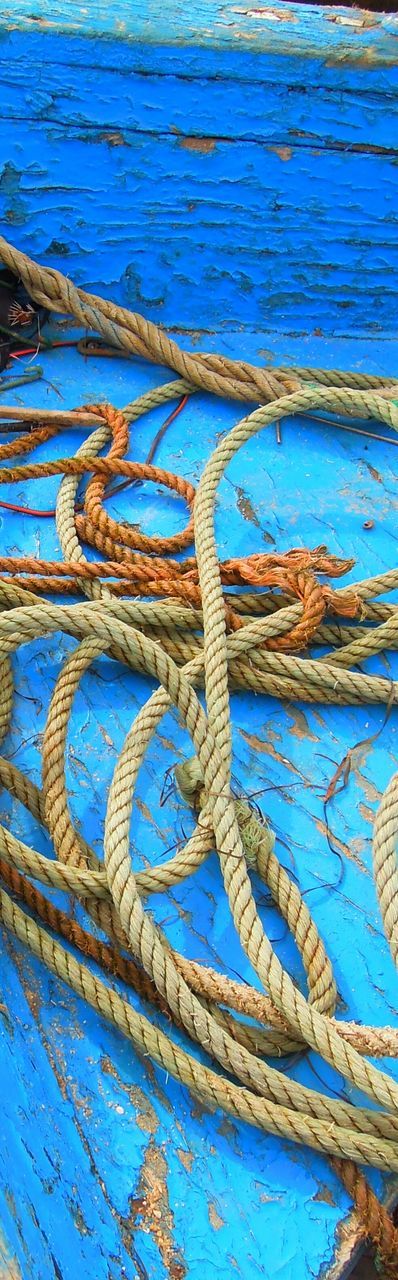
(234, 379)
(249, 642)
(152, 574)
(369, 1121)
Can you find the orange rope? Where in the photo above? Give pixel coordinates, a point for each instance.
(137, 563)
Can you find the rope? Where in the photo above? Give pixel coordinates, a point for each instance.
(192, 622)
(234, 379)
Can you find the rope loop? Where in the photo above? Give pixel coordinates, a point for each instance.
(188, 623)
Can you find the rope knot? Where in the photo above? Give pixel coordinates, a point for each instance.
(257, 838)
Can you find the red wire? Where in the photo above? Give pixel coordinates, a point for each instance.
(31, 351)
(25, 511)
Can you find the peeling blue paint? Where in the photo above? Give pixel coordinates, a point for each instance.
(282, 209)
(194, 248)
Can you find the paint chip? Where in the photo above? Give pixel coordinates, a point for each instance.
(202, 145)
(284, 153)
(216, 1220)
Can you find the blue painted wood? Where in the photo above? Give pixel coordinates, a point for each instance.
(344, 110)
(282, 210)
(215, 25)
(195, 248)
(89, 1130)
(227, 168)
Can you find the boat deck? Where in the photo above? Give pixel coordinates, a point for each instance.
(113, 1170)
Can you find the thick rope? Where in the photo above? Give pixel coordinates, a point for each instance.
(191, 624)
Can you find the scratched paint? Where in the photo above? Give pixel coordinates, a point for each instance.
(91, 1135)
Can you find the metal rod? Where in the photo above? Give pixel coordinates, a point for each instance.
(357, 431)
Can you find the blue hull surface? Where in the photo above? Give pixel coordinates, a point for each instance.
(231, 175)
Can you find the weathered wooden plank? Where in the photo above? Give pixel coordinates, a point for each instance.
(40, 46)
(307, 238)
(332, 34)
(201, 235)
(288, 107)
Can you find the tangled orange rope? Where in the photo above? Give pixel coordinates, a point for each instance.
(136, 563)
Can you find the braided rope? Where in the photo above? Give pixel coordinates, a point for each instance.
(187, 628)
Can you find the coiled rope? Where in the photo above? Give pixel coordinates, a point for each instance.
(195, 628)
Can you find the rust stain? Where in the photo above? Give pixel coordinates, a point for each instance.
(245, 507)
(267, 537)
(367, 58)
(371, 792)
(203, 145)
(185, 1157)
(284, 153)
(300, 727)
(376, 474)
(324, 1194)
(304, 133)
(367, 149)
(367, 813)
(349, 851)
(114, 139)
(266, 748)
(81, 1103)
(273, 734)
(9, 1270)
(55, 1056)
(167, 742)
(144, 810)
(29, 985)
(150, 1210)
(145, 1114)
(107, 738)
(350, 1233)
(216, 1221)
